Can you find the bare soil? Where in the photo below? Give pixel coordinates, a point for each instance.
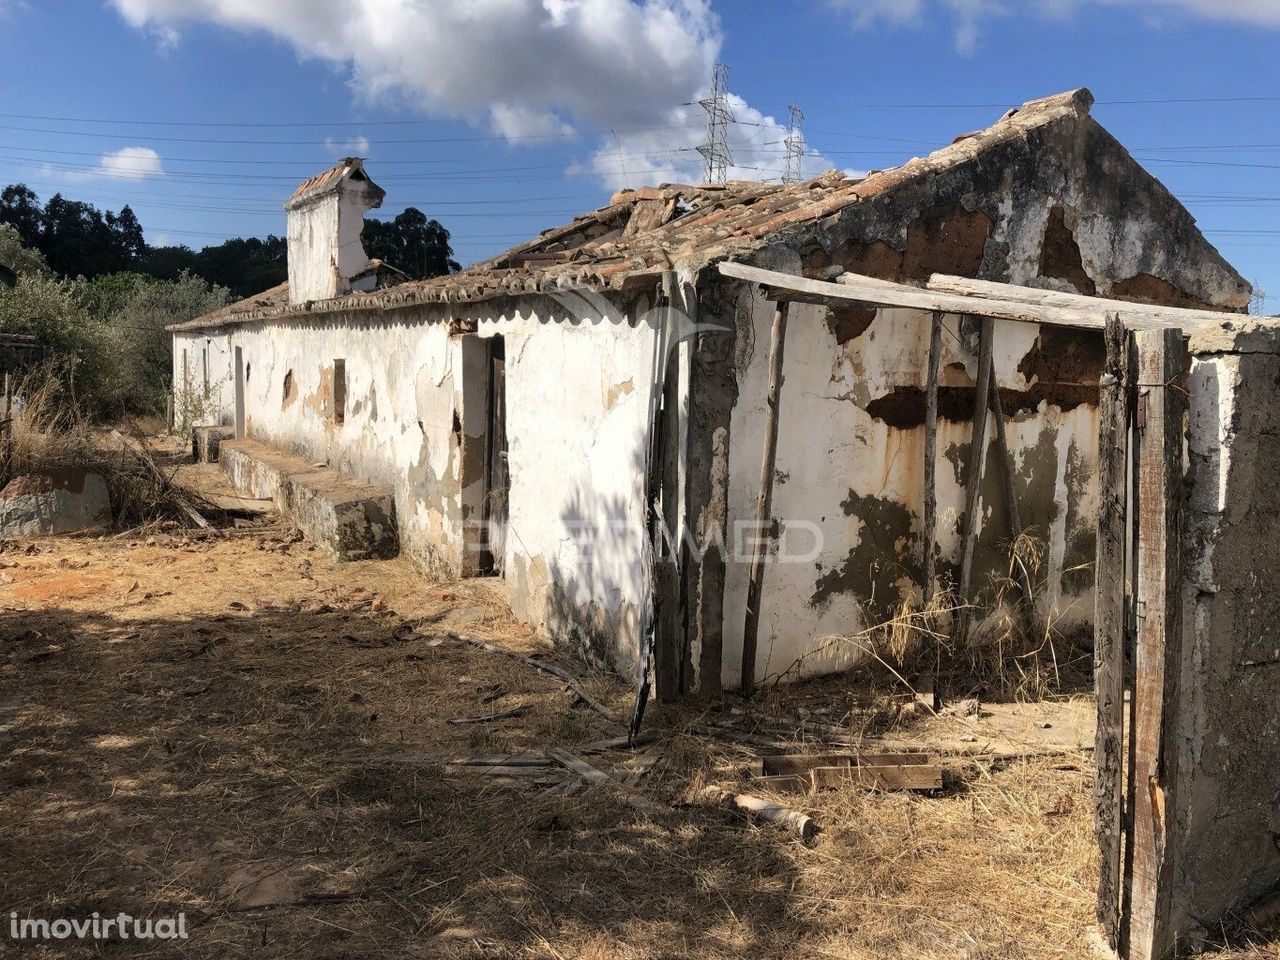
(243, 731)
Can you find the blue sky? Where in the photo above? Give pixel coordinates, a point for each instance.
(501, 118)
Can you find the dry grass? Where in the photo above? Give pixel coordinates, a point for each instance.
(49, 437)
(244, 731)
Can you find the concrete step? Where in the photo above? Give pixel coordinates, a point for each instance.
(353, 519)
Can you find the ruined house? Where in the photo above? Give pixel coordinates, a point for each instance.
(529, 417)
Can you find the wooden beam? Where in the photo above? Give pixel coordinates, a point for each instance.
(931, 454)
(977, 451)
(764, 502)
(1161, 316)
(1109, 625)
(855, 288)
(1161, 357)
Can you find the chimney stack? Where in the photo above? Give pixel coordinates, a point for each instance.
(326, 216)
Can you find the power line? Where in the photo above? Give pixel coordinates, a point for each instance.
(329, 142)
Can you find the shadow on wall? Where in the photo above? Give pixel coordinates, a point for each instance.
(598, 579)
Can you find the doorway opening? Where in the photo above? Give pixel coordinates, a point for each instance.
(485, 471)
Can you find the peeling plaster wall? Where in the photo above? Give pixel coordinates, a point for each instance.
(1228, 794)
(324, 244)
(577, 378)
(1065, 208)
(859, 480)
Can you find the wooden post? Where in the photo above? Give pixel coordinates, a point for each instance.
(1161, 356)
(668, 649)
(8, 427)
(764, 503)
(973, 481)
(1109, 625)
(1023, 576)
(931, 454)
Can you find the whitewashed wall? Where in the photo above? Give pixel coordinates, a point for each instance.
(213, 405)
(577, 421)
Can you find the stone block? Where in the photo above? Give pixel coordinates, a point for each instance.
(67, 500)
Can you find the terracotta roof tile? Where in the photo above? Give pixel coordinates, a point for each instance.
(683, 225)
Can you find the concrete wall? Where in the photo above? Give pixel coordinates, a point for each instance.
(1228, 826)
(577, 370)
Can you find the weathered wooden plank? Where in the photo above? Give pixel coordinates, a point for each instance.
(1137, 316)
(855, 288)
(977, 456)
(911, 776)
(1109, 625)
(764, 502)
(778, 764)
(931, 455)
(1161, 357)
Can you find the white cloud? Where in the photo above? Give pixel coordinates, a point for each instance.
(967, 16)
(357, 146)
(622, 71)
(127, 163)
(131, 163)
(670, 155)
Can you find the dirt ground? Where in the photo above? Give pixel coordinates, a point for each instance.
(245, 732)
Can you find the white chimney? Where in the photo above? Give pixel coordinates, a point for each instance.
(326, 215)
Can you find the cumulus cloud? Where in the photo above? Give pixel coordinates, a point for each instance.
(127, 163)
(967, 16)
(617, 72)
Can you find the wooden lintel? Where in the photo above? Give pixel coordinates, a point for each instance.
(1163, 316)
(1013, 303)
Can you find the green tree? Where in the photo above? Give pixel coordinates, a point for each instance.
(410, 242)
(18, 258)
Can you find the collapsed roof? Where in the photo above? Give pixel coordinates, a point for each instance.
(643, 232)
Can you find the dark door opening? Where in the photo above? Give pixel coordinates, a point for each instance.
(496, 477)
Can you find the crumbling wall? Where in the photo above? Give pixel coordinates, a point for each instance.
(849, 484)
(1228, 830)
(1063, 207)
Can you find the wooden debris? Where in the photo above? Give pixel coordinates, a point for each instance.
(886, 771)
(543, 667)
(517, 760)
(597, 777)
(801, 824)
(490, 717)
